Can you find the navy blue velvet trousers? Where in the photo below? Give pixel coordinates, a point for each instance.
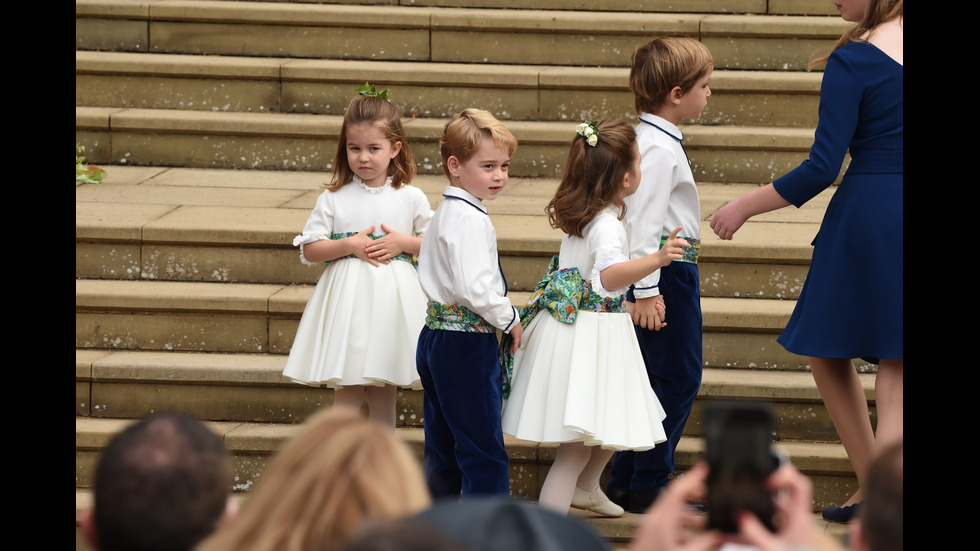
(464, 444)
(673, 359)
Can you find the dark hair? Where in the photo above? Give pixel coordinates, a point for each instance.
(382, 114)
(592, 178)
(881, 511)
(662, 64)
(161, 484)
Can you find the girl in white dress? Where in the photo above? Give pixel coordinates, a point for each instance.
(579, 378)
(359, 330)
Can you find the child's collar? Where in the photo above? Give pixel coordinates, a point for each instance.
(456, 192)
(663, 124)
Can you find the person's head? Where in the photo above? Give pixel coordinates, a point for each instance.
(476, 149)
(668, 71)
(403, 534)
(339, 470)
(880, 520)
(868, 14)
(161, 484)
(372, 145)
(596, 176)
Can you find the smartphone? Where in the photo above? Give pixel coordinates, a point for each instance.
(737, 440)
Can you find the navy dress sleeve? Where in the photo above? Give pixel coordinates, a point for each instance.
(840, 99)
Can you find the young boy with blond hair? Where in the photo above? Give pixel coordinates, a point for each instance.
(460, 273)
(669, 81)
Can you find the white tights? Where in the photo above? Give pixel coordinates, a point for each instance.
(575, 465)
(381, 401)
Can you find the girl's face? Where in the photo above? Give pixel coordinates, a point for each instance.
(851, 10)
(631, 181)
(369, 153)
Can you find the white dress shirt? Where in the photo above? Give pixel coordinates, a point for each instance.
(666, 198)
(458, 263)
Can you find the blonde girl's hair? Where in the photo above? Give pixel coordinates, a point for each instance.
(382, 114)
(340, 470)
(876, 13)
(593, 177)
(660, 65)
(462, 134)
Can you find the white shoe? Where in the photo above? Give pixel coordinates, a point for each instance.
(597, 502)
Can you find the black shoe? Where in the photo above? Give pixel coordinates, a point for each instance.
(841, 514)
(641, 501)
(619, 496)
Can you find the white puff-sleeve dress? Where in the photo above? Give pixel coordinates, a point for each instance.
(579, 373)
(361, 324)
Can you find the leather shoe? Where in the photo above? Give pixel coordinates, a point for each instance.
(841, 514)
(596, 501)
(619, 496)
(641, 501)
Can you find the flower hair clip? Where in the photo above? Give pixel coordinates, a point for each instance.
(368, 91)
(589, 131)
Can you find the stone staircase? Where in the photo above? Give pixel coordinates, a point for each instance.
(217, 124)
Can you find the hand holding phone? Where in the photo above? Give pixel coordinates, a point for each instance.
(737, 439)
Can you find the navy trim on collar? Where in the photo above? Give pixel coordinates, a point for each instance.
(467, 201)
(661, 129)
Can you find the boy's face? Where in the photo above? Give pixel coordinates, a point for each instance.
(693, 102)
(484, 174)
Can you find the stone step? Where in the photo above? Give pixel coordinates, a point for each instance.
(262, 318)
(457, 35)
(252, 444)
(281, 141)
(420, 89)
(237, 226)
(251, 388)
(757, 7)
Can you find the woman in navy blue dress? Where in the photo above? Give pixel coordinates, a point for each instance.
(851, 303)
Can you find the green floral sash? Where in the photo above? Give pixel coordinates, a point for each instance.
(691, 253)
(563, 293)
(452, 317)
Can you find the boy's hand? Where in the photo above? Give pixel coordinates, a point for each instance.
(649, 313)
(727, 220)
(359, 244)
(515, 334)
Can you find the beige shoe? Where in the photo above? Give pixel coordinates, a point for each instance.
(597, 502)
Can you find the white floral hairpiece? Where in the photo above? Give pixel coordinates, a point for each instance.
(589, 131)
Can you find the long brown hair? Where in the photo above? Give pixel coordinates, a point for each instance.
(877, 12)
(339, 470)
(382, 114)
(592, 178)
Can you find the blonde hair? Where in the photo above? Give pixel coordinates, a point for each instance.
(662, 64)
(876, 13)
(462, 134)
(592, 178)
(339, 471)
(379, 113)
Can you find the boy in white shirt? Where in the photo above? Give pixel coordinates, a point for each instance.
(669, 81)
(459, 270)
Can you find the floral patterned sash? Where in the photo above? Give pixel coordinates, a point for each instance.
(691, 253)
(452, 317)
(402, 256)
(563, 293)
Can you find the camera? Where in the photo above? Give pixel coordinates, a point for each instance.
(738, 435)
